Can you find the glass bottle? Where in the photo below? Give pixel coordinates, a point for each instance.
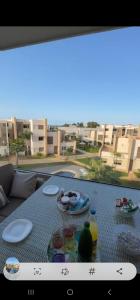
(85, 244)
(94, 230)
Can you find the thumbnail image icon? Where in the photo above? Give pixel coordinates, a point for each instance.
(12, 265)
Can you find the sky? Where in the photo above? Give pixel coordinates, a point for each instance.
(93, 77)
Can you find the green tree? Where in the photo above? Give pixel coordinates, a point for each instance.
(80, 124)
(16, 146)
(103, 173)
(92, 124)
(69, 151)
(26, 136)
(66, 125)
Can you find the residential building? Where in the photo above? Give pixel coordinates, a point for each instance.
(44, 139)
(124, 155)
(4, 140)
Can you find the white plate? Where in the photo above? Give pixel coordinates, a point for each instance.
(17, 230)
(50, 190)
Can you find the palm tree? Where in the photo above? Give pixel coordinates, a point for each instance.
(96, 168)
(16, 146)
(103, 173)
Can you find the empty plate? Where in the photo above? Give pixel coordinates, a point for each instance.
(50, 189)
(17, 230)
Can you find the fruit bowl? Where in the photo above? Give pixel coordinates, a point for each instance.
(73, 202)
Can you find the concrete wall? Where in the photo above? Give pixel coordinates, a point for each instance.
(36, 132)
(123, 145)
(137, 145)
(136, 164)
(108, 134)
(55, 141)
(109, 158)
(4, 150)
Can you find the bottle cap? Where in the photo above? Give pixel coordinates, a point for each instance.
(93, 211)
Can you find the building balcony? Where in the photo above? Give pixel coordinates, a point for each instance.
(42, 210)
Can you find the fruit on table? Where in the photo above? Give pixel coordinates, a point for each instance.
(121, 202)
(71, 194)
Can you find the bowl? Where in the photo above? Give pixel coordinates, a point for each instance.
(72, 194)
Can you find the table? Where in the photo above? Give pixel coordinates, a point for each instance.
(45, 216)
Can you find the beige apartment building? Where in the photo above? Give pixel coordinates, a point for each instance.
(43, 139)
(103, 134)
(4, 140)
(124, 155)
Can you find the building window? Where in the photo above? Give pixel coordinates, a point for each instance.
(50, 140)
(117, 162)
(104, 161)
(40, 126)
(100, 137)
(106, 129)
(41, 138)
(135, 131)
(26, 126)
(41, 149)
(138, 152)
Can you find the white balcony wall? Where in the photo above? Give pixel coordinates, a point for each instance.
(123, 145)
(4, 150)
(107, 154)
(50, 149)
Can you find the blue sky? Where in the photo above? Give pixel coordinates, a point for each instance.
(93, 77)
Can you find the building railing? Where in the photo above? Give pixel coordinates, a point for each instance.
(48, 175)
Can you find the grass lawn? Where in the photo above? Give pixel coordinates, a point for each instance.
(85, 161)
(40, 165)
(91, 149)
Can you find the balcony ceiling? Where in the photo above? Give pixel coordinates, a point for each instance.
(19, 36)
